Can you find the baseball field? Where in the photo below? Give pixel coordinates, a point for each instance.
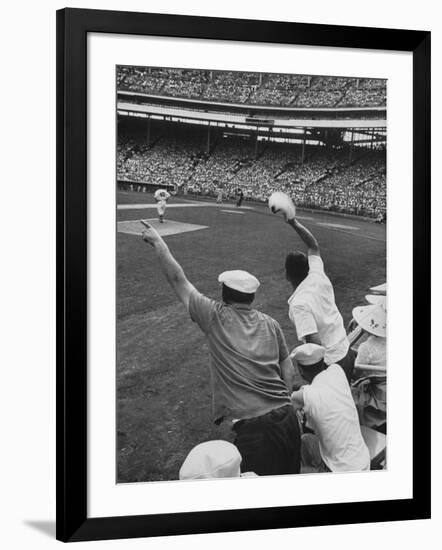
(163, 392)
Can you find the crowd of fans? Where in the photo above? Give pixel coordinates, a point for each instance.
(254, 88)
(159, 165)
(325, 180)
(278, 89)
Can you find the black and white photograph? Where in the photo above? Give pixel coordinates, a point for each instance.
(251, 274)
(219, 242)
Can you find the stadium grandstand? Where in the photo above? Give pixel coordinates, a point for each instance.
(321, 139)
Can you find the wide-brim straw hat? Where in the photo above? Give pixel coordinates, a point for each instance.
(372, 319)
(379, 289)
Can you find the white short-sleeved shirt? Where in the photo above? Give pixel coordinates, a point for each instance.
(312, 309)
(332, 414)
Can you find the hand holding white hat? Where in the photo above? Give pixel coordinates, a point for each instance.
(280, 202)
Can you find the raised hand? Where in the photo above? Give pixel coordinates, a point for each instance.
(149, 234)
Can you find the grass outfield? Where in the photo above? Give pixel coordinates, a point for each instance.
(163, 389)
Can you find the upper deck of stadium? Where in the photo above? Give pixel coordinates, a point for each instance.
(255, 94)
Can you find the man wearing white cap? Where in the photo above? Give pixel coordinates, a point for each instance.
(312, 306)
(337, 444)
(251, 371)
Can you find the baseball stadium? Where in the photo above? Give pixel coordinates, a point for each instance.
(220, 143)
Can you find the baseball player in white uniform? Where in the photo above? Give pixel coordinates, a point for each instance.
(161, 196)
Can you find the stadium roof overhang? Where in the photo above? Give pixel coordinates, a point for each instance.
(251, 109)
(182, 114)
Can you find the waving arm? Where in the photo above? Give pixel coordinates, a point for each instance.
(171, 268)
(306, 236)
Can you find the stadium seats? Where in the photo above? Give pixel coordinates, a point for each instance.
(325, 180)
(254, 88)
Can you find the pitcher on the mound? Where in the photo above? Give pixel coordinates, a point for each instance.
(161, 196)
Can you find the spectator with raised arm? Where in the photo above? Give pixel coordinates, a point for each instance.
(312, 307)
(251, 372)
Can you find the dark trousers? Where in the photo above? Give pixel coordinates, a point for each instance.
(347, 363)
(270, 444)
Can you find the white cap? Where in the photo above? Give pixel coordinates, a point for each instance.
(308, 354)
(212, 459)
(239, 280)
(372, 319)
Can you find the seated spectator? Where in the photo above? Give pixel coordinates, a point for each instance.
(373, 320)
(370, 388)
(336, 444)
(370, 397)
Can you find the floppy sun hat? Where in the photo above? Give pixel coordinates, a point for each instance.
(372, 319)
(239, 280)
(379, 289)
(376, 299)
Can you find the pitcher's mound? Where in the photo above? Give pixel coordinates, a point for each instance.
(169, 227)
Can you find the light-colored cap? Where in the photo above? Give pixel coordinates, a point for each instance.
(372, 319)
(239, 280)
(308, 354)
(376, 299)
(212, 459)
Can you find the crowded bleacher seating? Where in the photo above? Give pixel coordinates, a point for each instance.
(301, 91)
(328, 179)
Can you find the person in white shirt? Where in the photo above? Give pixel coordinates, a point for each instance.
(337, 444)
(312, 307)
(161, 196)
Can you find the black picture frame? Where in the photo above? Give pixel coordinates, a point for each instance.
(73, 25)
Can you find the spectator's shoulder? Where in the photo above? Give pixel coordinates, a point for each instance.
(275, 322)
(196, 296)
(335, 371)
(301, 301)
(268, 319)
(315, 262)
